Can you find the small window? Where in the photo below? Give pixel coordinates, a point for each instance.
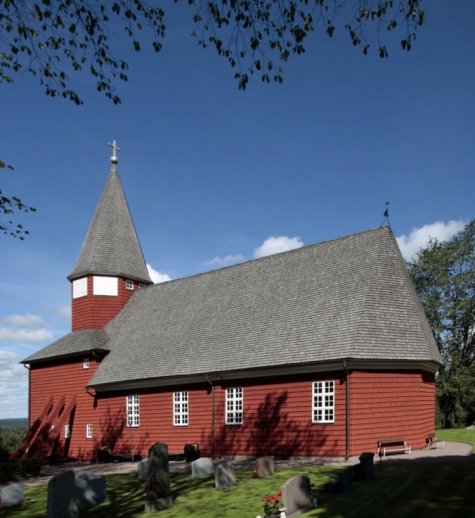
(105, 286)
(80, 288)
(129, 284)
(323, 406)
(180, 408)
(141, 285)
(234, 405)
(85, 363)
(67, 432)
(89, 431)
(133, 411)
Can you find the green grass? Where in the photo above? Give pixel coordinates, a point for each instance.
(425, 490)
(457, 435)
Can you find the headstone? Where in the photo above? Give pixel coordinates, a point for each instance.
(344, 480)
(225, 476)
(159, 495)
(143, 468)
(366, 466)
(62, 501)
(202, 467)
(13, 495)
(265, 467)
(297, 496)
(90, 490)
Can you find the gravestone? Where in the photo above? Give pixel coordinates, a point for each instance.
(366, 466)
(344, 480)
(13, 495)
(90, 490)
(159, 495)
(143, 468)
(265, 467)
(225, 476)
(297, 496)
(62, 501)
(202, 467)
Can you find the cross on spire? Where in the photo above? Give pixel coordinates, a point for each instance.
(114, 147)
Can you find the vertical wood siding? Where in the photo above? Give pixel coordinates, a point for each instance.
(94, 311)
(277, 413)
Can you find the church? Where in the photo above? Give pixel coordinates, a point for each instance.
(318, 351)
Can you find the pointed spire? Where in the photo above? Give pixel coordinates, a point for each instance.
(111, 246)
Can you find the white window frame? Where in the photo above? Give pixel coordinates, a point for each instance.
(234, 406)
(129, 284)
(85, 363)
(108, 286)
(80, 288)
(323, 402)
(89, 431)
(67, 431)
(133, 411)
(180, 408)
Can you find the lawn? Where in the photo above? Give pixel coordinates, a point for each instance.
(425, 490)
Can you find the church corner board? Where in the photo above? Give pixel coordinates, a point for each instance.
(319, 351)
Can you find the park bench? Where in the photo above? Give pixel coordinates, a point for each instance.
(432, 441)
(393, 444)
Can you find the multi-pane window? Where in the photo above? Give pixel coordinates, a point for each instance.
(80, 288)
(85, 363)
(67, 431)
(89, 431)
(234, 405)
(129, 284)
(323, 407)
(105, 286)
(133, 411)
(180, 408)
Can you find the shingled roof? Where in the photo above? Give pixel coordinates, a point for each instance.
(111, 246)
(350, 298)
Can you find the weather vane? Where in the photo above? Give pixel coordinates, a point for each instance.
(114, 158)
(386, 216)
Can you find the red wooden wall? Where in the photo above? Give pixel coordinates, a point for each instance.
(277, 413)
(94, 311)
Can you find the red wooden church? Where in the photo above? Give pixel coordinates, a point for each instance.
(318, 351)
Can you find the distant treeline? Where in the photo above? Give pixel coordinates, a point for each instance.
(12, 432)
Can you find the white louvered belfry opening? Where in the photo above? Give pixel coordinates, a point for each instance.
(108, 286)
(80, 288)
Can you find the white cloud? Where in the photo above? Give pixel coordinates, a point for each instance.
(27, 321)
(419, 237)
(157, 277)
(30, 337)
(7, 357)
(225, 261)
(10, 369)
(275, 245)
(64, 313)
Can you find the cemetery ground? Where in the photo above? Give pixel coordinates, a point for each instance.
(413, 488)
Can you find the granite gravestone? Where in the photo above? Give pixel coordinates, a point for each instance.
(344, 480)
(62, 501)
(225, 476)
(13, 495)
(265, 467)
(202, 467)
(90, 490)
(143, 468)
(297, 496)
(159, 495)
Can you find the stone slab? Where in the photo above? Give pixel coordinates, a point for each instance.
(13, 495)
(62, 501)
(90, 490)
(297, 496)
(265, 467)
(142, 467)
(202, 467)
(225, 476)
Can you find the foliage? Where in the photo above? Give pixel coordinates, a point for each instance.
(48, 38)
(19, 469)
(8, 205)
(402, 489)
(444, 276)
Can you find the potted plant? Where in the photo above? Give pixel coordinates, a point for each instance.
(273, 504)
(104, 455)
(192, 451)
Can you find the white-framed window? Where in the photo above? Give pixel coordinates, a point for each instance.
(129, 284)
(89, 431)
(234, 405)
(141, 285)
(133, 411)
(323, 402)
(80, 288)
(180, 408)
(85, 363)
(106, 286)
(67, 431)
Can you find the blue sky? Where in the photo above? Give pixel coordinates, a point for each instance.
(214, 175)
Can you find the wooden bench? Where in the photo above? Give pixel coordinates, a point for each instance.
(393, 444)
(432, 441)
